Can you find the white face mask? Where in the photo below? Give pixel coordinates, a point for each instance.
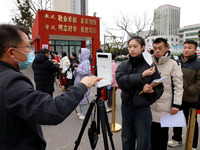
(26, 64)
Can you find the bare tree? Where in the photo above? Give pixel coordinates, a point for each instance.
(26, 10)
(130, 27)
(40, 4)
(125, 24)
(138, 24)
(114, 38)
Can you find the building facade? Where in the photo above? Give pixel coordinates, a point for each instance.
(167, 20)
(65, 32)
(189, 32)
(71, 6)
(173, 39)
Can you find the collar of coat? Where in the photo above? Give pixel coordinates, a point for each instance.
(193, 57)
(8, 65)
(162, 59)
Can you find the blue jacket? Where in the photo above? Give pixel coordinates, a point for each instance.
(23, 110)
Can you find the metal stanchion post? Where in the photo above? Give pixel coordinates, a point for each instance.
(115, 127)
(190, 129)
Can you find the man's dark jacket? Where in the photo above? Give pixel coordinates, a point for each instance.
(44, 73)
(23, 110)
(130, 81)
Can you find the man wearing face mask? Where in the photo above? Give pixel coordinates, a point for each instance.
(44, 72)
(23, 109)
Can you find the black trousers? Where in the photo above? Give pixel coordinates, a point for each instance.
(159, 137)
(178, 130)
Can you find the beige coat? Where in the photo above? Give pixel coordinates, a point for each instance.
(169, 69)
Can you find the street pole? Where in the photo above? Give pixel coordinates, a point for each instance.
(190, 129)
(104, 43)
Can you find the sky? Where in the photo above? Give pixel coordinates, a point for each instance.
(110, 10)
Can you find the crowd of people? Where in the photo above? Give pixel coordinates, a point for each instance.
(23, 109)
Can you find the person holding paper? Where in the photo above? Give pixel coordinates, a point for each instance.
(171, 98)
(191, 84)
(134, 75)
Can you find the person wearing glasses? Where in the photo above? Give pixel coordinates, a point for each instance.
(23, 109)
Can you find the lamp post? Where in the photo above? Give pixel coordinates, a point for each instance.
(113, 36)
(105, 40)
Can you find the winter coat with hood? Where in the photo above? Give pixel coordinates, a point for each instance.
(44, 73)
(191, 78)
(84, 69)
(173, 86)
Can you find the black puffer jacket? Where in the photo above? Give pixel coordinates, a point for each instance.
(130, 81)
(44, 73)
(75, 60)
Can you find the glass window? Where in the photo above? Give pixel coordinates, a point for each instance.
(51, 42)
(77, 49)
(75, 42)
(65, 49)
(52, 48)
(172, 39)
(58, 49)
(61, 42)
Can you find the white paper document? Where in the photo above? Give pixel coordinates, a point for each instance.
(147, 57)
(177, 120)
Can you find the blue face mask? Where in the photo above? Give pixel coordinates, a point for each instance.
(28, 62)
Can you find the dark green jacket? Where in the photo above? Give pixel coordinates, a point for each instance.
(191, 78)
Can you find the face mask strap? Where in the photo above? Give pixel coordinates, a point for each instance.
(20, 51)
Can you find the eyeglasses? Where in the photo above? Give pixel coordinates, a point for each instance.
(29, 47)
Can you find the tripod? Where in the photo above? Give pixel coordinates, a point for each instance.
(101, 117)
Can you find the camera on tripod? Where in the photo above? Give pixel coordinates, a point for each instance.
(104, 70)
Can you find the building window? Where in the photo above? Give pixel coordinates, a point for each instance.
(172, 39)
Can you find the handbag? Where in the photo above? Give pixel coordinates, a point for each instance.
(93, 132)
(69, 74)
(93, 135)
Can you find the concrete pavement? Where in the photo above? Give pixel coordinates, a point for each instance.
(63, 136)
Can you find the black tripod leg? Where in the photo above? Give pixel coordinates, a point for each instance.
(87, 117)
(103, 121)
(97, 99)
(110, 134)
